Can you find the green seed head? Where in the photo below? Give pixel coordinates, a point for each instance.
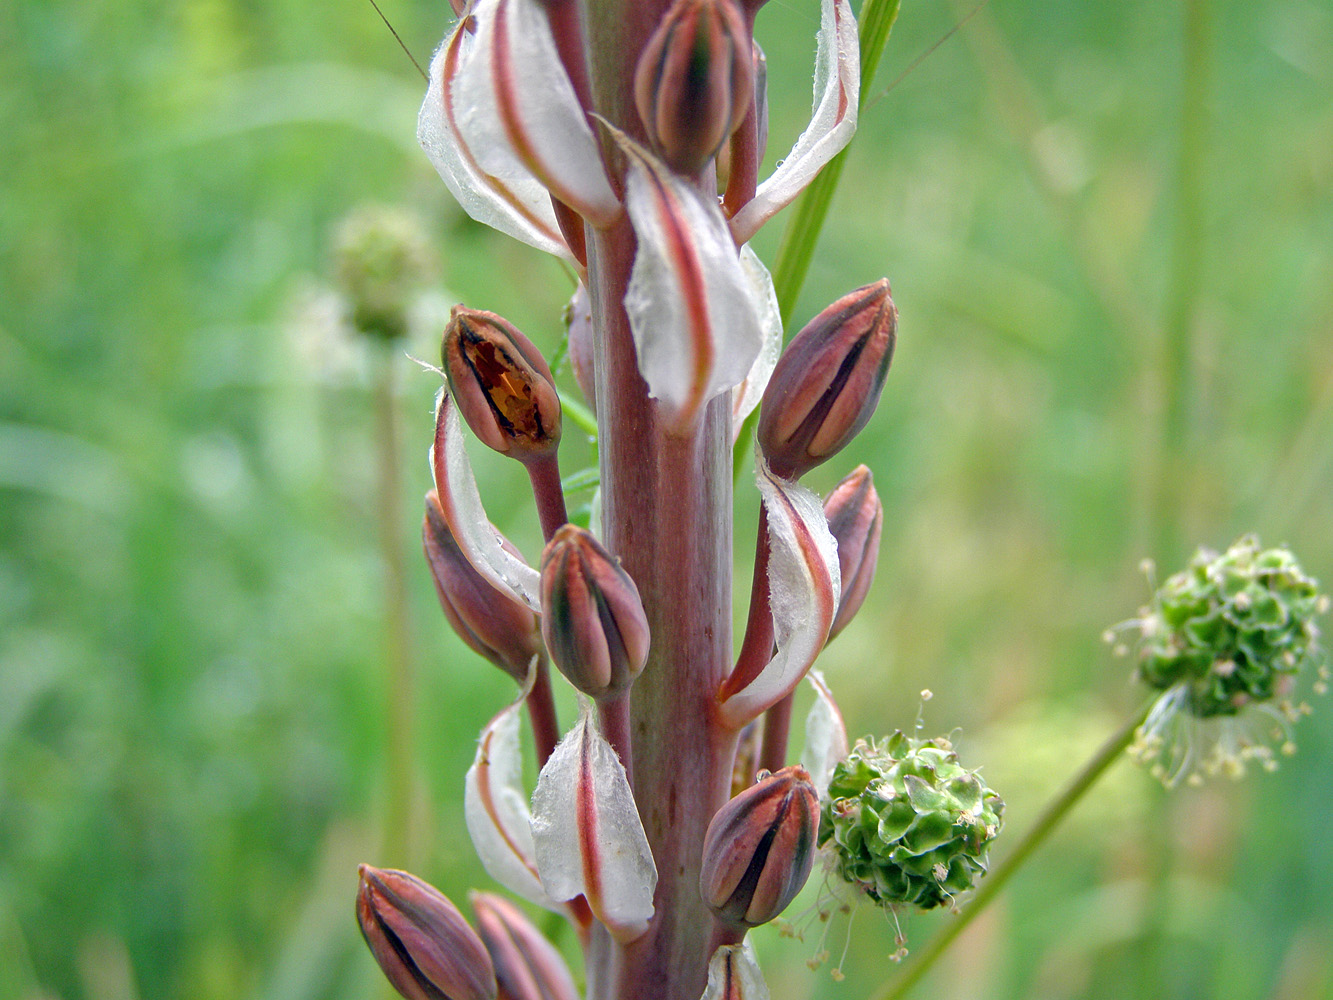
(383, 262)
(1233, 628)
(907, 823)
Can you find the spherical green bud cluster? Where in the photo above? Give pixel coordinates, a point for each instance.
(382, 261)
(1233, 628)
(907, 823)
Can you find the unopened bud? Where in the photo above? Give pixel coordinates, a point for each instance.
(527, 966)
(422, 943)
(592, 618)
(502, 385)
(759, 848)
(490, 621)
(578, 327)
(761, 99)
(828, 381)
(382, 261)
(694, 81)
(855, 519)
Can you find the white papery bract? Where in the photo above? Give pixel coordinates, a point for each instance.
(746, 396)
(803, 583)
(825, 735)
(460, 503)
(691, 305)
(516, 103)
(588, 837)
(510, 200)
(832, 122)
(496, 809)
(733, 974)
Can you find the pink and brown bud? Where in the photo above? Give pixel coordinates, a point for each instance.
(855, 519)
(490, 621)
(579, 331)
(502, 385)
(760, 100)
(694, 81)
(592, 618)
(759, 848)
(828, 381)
(422, 943)
(527, 966)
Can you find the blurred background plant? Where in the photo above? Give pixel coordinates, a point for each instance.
(1110, 234)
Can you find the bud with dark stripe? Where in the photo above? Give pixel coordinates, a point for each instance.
(828, 381)
(502, 385)
(527, 966)
(759, 848)
(592, 618)
(490, 621)
(694, 81)
(856, 520)
(422, 943)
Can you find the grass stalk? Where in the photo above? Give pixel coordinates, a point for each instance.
(400, 720)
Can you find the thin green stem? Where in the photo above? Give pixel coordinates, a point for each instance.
(1037, 834)
(1177, 349)
(797, 248)
(579, 415)
(400, 760)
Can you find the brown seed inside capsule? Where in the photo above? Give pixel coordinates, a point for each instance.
(506, 387)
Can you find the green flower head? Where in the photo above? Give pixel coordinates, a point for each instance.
(1224, 640)
(906, 823)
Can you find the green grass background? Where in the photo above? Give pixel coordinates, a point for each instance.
(192, 707)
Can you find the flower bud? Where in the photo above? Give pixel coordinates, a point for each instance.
(855, 519)
(488, 620)
(421, 941)
(828, 381)
(592, 619)
(760, 99)
(382, 261)
(501, 383)
(759, 848)
(578, 326)
(527, 966)
(694, 81)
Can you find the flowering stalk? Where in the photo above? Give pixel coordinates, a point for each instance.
(593, 131)
(623, 136)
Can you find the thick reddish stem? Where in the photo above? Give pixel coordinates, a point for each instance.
(666, 511)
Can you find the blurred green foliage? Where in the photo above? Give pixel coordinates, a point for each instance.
(192, 707)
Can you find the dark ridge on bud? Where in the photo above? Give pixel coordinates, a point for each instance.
(488, 620)
(422, 943)
(527, 966)
(592, 618)
(760, 847)
(828, 381)
(856, 520)
(694, 81)
(502, 385)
